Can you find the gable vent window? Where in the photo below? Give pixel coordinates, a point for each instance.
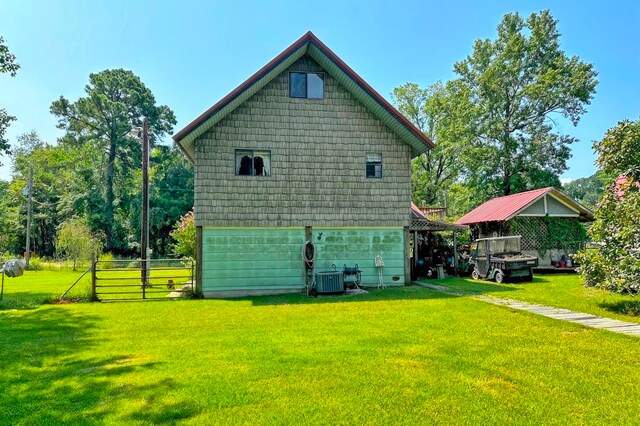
(308, 85)
(374, 166)
(253, 163)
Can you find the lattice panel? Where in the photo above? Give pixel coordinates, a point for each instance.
(534, 231)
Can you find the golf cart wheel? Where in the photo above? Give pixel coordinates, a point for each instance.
(499, 276)
(475, 274)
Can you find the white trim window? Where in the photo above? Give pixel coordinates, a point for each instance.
(251, 162)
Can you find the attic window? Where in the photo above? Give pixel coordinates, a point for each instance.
(374, 166)
(253, 163)
(308, 85)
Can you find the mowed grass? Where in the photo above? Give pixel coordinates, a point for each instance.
(395, 356)
(561, 290)
(34, 288)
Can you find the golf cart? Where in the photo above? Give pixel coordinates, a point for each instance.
(500, 258)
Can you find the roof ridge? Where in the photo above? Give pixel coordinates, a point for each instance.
(418, 138)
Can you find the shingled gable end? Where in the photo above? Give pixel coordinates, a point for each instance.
(303, 150)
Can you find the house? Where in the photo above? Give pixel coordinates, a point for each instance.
(549, 221)
(303, 153)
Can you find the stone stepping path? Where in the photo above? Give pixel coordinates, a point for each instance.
(588, 320)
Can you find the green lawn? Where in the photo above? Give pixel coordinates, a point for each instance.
(396, 356)
(562, 291)
(36, 287)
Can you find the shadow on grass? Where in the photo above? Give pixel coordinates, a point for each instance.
(49, 374)
(24, 300)
(400, 293)
(626, 307)
(464, 286)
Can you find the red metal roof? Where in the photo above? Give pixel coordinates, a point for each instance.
(416, 213)
(502, 208)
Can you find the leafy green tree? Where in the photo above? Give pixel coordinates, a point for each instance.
(65, 179)
(76, 242)
(115, 102)
(615, 265)
(519, 82)
(8, 65)
(170, 197)
(184, 234)
(9, 225)
(588, 191)
(47, 164)
(442, 112)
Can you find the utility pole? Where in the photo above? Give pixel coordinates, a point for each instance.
(27, 255)
(144, 239)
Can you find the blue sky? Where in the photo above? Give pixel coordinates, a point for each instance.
(192, 53)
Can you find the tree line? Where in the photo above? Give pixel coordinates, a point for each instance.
(495, 124)
(88, 182)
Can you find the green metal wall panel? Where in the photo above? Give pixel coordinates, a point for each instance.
(349, 246)
(271, 258)
(252, 259)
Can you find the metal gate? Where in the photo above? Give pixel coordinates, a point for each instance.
(153, 279)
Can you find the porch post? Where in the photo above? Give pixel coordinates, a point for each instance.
(198, 277)
(407, 257)
(455, 252)
(415, 248)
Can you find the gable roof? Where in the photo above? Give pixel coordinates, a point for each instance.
(504, 208)
(310, 45)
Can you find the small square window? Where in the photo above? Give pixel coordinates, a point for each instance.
(374, 166)
(306, 85)
(253, 163)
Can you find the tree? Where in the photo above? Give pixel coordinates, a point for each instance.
(615, 265)
(441, 112)
(76, 242)
(519, 83)
(115, 102)
(588, 190)
(8, 65)
(8, 223)
(170, 197)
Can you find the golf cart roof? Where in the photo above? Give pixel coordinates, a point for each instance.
(499, 238)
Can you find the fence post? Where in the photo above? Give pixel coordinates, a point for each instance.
(193, 277)
(143, 274)
(94, 261)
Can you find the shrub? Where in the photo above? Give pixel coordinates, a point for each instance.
(76, 241)
(35, 263)
(184, 235)
(106, 261)
(615, 265)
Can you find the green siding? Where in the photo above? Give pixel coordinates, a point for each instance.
(237, 259)
(349, 246)
(252, 259)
